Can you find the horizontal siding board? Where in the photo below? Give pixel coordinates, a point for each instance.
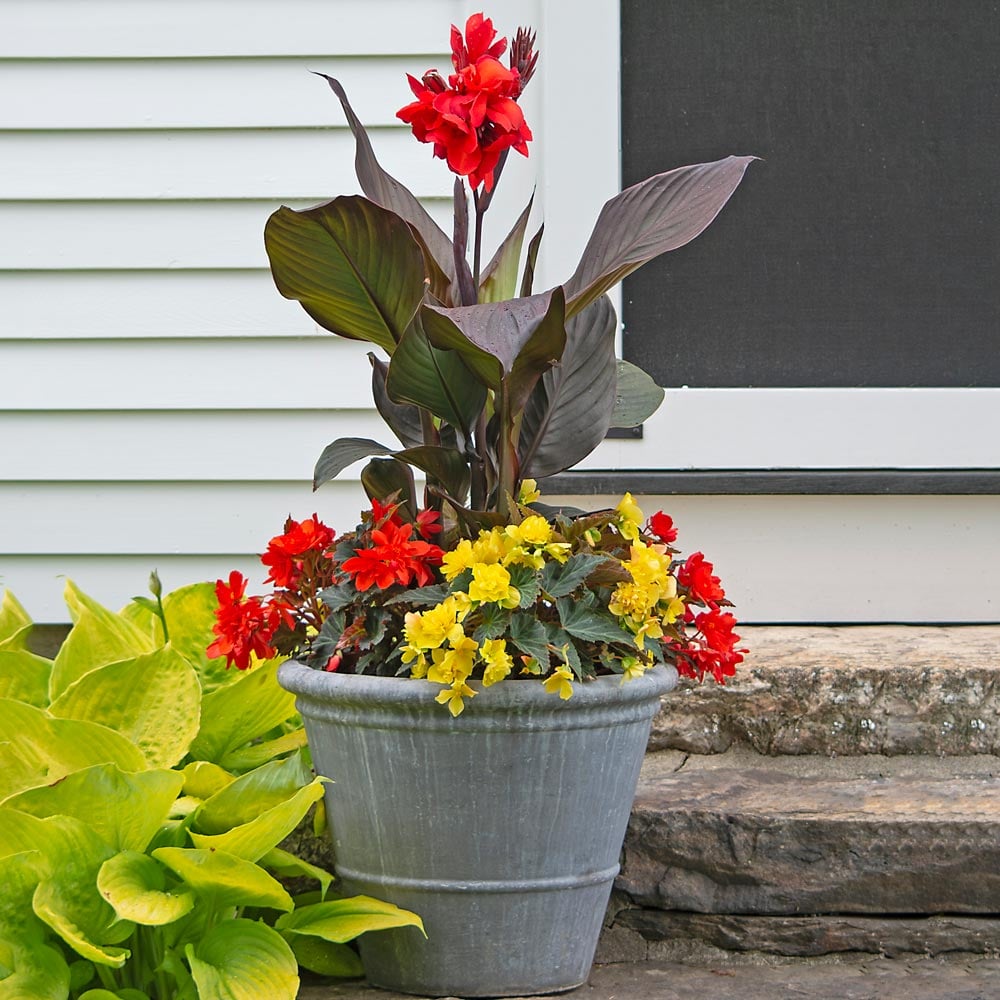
(313, 165)
(157, 446)
(195, 94)
(782, 559)
(180, 518)
(193, 374)
(184, 304)
(68, 29)
(140, 235)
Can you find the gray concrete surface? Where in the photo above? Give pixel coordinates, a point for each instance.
(873, 979)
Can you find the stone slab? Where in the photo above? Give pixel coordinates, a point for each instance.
(746, 840)
(846, 690)
(875, 979)
(797, 937)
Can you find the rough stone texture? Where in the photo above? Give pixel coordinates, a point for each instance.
(800, 937)
(847, 690)
(749, 840)
(871, 979)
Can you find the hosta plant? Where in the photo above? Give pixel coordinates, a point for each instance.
(144, 793)
(488, 384)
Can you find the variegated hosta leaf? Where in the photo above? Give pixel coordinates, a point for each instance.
(243, 960)
(14, 622)
(224, 878)
(340, 920)
(135, 885)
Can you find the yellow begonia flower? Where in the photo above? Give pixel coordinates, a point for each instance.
(630, 518)
(415, 656)
(491, 584)
(452, 697)
(489, 547)
(520, 556)
(529, 491)
(633, 600)
(453, 664)
(673, 610)
(559, 682)
(498, 661)
(649, 566)
(534, 530)
(650, 627)
(430, 629)
(460, 558)
(633, 667)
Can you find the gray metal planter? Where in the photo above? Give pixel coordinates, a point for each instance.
(501, 828)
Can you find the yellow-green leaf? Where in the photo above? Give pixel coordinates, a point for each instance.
(124, 810)
(254, 839)
(288, 865)
(227, 879)
(202, 779)
(243, 960)
(14, 621)
(98, 637)
(342, 920)
(326, 958)
(32, 972)
(135, 885)
(242, 711)
(24, 676)
(46, 749)
(152, 699)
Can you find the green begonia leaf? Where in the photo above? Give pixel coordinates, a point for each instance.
(240, 712)
(47, 749)
(135, 885)
(14, 622)
(131, 809)
(352, 265)
(340, 920)
(584, 622)
(661, 213)
(252, 794)
(153, 699)
(637, 396)
(561, 579)
(243, 960)
(326, 958)
(227, 879)
(24, 676)
(254, 839)
(529, 635)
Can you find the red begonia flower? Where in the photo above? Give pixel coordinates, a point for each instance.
(662, 526)
(284, 552)
(696, 575)
(244, 626)
(393, 558)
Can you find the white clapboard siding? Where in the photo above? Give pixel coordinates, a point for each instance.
(205, 93)
(224, 374)
(177, 446)
(69, 29)
(84, 305)
(294, 164)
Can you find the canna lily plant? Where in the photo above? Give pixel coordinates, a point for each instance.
(488, 385)
(484, 381)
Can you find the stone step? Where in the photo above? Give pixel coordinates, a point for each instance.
(806, 856)
(848, 690)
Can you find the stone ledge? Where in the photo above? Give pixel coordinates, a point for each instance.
(845, 690)
(768, 841)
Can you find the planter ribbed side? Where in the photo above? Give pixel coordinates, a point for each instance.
(501, 828)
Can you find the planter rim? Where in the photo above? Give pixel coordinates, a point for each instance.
(510, 694)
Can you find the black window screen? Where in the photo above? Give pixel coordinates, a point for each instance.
(862, 250)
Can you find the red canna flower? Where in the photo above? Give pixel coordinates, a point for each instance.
(662, 526)
(284, 552)
(244, 626)
(393, 558)
(475, 119)
(696, 575)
